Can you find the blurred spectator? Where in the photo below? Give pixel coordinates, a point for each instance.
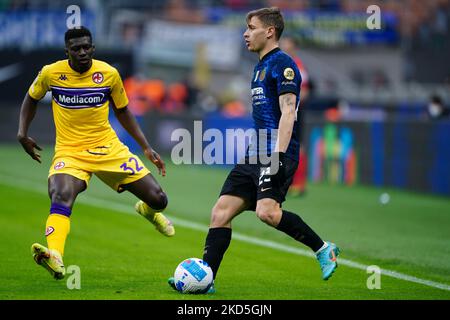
(154, 91)
(333, 114)
(207, 102)
(440, 25)
(288, 45)
(298, 186)
(234, 109)
(180, 11)
(202, 69)
(233, 98)
(144, 94)
(436, 109)
(294, 5)
(192, 91)
(329, 5)
(131, 35)
(136, 101)
(237, 4)
(175, 101)
(379, 79)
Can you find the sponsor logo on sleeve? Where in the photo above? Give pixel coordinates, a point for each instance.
(289, 73)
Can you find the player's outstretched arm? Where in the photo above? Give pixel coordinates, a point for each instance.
(128, 121)
(27, 113)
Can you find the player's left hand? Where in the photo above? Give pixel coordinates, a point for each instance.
(154, 157)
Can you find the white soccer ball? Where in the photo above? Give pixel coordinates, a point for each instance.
(193, 275)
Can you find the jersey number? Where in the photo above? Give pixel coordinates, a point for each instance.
(136, 165)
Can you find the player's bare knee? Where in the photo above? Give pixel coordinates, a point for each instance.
(163, 200)
(62, 196)
(158, 201)
(264, 215)
(268, 214)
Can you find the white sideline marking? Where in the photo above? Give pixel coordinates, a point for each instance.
(128, 209)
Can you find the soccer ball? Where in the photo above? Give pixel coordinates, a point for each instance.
(193, 275)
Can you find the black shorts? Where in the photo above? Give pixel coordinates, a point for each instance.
(250, 182)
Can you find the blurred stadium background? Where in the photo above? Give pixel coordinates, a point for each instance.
(369, 116)
(377, 111)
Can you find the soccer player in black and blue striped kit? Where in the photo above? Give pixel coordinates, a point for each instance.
(256, 184)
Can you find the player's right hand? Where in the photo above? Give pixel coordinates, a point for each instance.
(154, 157)
(30, 145)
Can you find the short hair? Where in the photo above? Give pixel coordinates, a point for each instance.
(77, 33)
(269, 17)
(436, 99)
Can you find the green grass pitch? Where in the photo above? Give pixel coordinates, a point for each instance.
(121, 255)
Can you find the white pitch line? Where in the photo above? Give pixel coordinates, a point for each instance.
(128, 209)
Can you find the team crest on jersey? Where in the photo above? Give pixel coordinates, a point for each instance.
(97, 77)
(59, 165)
(289, 73)
(262, 75)
(49, 230)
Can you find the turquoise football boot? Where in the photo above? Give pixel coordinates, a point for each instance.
(328, 260)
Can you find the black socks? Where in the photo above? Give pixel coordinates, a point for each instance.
(218, 239)
(216, 244)
(294, 226)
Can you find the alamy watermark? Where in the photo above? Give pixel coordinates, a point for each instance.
(373, 22)
(74, 20)
(214, 146)
(374, 280)
(74, 277)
